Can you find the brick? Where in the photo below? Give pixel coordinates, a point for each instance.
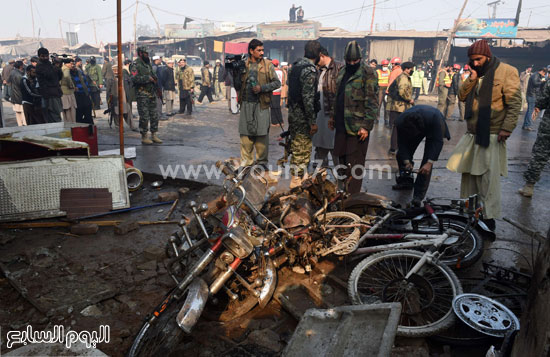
(83, 229)
(125, 227)
(168, 196)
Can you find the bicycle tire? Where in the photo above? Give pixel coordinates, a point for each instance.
(445, 296)
(352, 235)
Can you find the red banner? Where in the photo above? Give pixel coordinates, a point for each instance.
(236, 48)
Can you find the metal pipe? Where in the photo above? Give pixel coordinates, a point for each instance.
(120, 75)
(218, 283)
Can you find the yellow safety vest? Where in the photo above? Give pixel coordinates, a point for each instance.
(448, 80)
(383, 77)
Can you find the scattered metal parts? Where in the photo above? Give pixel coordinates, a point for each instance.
(157, 184)
(485, 315)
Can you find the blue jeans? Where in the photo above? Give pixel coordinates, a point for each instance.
(527, 121)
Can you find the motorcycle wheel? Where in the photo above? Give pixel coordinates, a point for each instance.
(461, 252)
(162, 337)
(426, 297)
(223, 308)
(347, 238)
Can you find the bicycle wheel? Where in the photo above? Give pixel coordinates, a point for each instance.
(162, 337)
(457, 251)
(426, 297)
(341, 240)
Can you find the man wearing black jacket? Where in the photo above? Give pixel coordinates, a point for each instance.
(413, 125)
(31, 98)
(48, 83)
(534, 89)
(168, 85)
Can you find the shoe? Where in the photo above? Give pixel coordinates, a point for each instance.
(527, 190)
(134, 129)
(295, 181)
(145, 140)
(416, 202)
(155, 138)
(391, 152)
(528, 129)
(402, 187)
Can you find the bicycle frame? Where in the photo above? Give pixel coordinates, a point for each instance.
(414, 241)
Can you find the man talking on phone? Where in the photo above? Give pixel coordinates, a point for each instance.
(492, 96)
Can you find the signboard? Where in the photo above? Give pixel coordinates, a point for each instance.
(192, 31)
(487, 28)
(288, 31)
(227, 27)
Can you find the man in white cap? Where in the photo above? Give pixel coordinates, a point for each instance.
(219, 80)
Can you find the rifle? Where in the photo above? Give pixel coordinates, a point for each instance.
(287, 145)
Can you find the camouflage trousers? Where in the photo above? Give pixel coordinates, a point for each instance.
(148, 117)
(301, 153)
(541, 151)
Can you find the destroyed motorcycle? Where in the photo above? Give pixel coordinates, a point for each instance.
(233, 267)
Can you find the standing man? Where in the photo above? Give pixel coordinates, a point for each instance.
(355, 109)
(16, 97)
(276, 114)
(94, 72)
(383, 75)
(107, 69)
(292, 14)
(5, 77)
(300, 15)
(401, 100)
(68, 100)
(145, 82)
(452, 92)
(169, 86)
(130, 94)
(461, 105)
(493, 101)
(31, 98)
(541, 148)
(524, 80)
(254, 86)
(206, 83)
(413, 125)
(158, 68)
(534, 88)
(396, 71)
(219, 77)
(443, 83)
(186, 82)
(323, 140)
(48, 77)
(417, 80)
(81, 94)
(430, 68)
(303, 106)
(284, 88)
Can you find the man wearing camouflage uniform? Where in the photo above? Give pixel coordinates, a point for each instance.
(302, 111)
(541, 148)
(354, 111)
(186, 83)
(93, 70)
(145, 82)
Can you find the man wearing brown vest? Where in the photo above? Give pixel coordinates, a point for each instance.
(255, 86)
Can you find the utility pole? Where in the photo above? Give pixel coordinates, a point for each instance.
(95, 33)
(119, 75)
(450, 39)
(32, 17)
(61, 32)
(135, 26)
(494, 5)
(154, 18)
(372, 19)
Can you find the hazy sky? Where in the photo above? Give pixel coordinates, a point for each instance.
(401, 14)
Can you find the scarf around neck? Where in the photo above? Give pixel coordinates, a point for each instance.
(484, 108)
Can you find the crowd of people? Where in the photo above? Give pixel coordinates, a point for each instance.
(332, 108)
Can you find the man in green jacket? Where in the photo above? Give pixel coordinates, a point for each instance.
(145, 82)
(417, 80)
(93, 70)
(354, 111)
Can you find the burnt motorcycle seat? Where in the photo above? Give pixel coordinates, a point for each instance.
(364, 199)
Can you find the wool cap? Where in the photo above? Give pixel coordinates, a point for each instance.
(480, 47)
(353, 51)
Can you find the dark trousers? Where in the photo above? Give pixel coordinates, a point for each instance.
(96, 98)
(527, 121)
(206, 91)
(185, 102)
(83, 108)
(393, 141)
(276, 114)
(33, 114)
(416, 93)
(351, 152)
(51, 109)
(407, 146)
(382, 103)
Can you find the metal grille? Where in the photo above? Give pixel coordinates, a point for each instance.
(30, 189)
